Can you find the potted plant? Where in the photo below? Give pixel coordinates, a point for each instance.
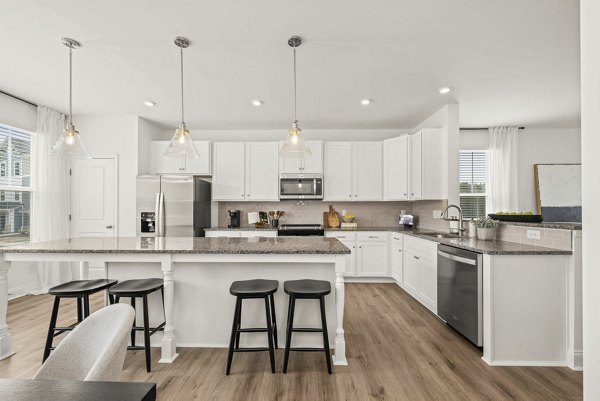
(486, 228)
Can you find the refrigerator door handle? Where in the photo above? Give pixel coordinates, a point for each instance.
(160, 214)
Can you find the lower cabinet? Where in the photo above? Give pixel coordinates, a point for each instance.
(420, 271)
(369, 252)
(348, 239)
(397, 258)
(241, 233)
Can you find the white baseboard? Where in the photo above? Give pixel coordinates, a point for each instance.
(526, 363)
(369, 280)
(575, 360)
(18, 292)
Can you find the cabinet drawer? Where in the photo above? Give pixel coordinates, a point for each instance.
(223, 233)
(425, 247)
(257, 234)
(342, 236)
(372, 236)
(396, 238)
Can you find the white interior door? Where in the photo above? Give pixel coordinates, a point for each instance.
(93, 197)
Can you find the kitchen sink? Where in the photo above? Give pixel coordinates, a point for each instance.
(441, 235)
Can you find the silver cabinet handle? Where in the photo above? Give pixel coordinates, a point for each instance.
(350, 196)
(404, 194)
(248, 195)
(355, 196)
(416, 257)
(109, 226)
(373, 236)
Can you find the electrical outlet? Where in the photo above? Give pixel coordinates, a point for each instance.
(437, 214)
(533, 234)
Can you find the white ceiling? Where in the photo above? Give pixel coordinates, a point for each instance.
(509, 62)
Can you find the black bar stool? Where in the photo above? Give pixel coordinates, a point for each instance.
(247, 290)
(307, 289)
(79, 289)
(141, 289)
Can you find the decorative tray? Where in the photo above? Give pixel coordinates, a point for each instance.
(518, 218)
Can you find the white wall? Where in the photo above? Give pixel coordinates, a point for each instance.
(115, 135)
(148, 132)
(17, 114)
(535, 146)
(590, 143)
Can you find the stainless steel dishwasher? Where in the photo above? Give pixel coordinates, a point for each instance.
(459, 291)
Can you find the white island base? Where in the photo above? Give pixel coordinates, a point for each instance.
(198, 306)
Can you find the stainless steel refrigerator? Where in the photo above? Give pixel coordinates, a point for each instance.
(172, 205)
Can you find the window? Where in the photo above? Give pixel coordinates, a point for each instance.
(15, 185)
(473, 183)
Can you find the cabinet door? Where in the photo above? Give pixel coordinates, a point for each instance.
(309, 165)
(434, 171)
(337, 171)
(397, 259)
(368, 171)
(258, 234)
(200, 166)
(228, 171)
(428, 282)
(411, 272)
(262, 171)
(395, 168)
(222, 233)
(415, 157)
(165, 164)
(372, 259)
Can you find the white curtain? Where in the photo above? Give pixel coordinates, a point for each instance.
(50, 207)
(503, 194)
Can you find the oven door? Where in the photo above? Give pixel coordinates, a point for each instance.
(300, 187)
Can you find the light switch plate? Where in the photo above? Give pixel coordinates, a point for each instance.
(533, 234)
(437, 214)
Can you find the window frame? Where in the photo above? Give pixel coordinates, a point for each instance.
(485, 194)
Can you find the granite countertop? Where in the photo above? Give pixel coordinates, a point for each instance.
(187, 245)
(561, 226)
(246, 228)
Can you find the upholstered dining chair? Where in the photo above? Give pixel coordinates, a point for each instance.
(94, 350)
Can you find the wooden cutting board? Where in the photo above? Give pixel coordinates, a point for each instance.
(327, 220)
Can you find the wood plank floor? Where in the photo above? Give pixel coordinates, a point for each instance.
(396, 349)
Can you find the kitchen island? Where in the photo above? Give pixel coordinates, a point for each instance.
(197, 273)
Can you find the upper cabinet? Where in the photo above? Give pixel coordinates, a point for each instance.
(395, 168)
(245, 171)
(161, 164)
(308, 165)
(353, 171)
(427, 160)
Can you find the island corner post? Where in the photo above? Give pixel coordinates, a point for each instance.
(169, 264)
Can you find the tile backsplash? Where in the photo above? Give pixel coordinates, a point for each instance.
(549, 237)
(372, 214)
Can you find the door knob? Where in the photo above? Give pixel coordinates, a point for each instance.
(109, 227)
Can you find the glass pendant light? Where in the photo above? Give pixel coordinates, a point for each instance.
(181, 144)
(294, 145)
(70, 143)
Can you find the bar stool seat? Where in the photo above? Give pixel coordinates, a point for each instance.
(302, 288)
(140, 288)
(257, 288)
(306, 289)
(79, 289)
(252, 289)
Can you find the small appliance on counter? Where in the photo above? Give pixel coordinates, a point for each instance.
(407, 220)
(303, 230)
(233, 217)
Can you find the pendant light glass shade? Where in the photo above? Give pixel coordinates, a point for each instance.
(181, 144)
(70, 143)
(295, 146)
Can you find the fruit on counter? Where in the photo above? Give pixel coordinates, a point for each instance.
(515, 213)
(348, 216)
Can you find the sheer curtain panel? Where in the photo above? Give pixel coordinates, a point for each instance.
(50, 196)
(503, 166)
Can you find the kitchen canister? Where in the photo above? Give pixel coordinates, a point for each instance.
(472, 229)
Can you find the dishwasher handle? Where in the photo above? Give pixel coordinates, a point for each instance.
(457, 258)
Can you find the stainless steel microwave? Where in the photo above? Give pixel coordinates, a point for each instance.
(300, 186)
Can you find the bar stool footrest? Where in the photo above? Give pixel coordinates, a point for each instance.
(307, 330)
(252, 330)
(258, 349)
(307, 349)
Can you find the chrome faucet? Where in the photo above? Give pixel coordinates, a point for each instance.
(460, 218)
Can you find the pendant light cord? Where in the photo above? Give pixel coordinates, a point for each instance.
(70, 85)
(181, 59)
(295, 96)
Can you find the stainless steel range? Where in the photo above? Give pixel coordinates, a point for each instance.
(300, 230)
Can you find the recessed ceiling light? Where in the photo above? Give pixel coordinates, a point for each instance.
(149, 103)
(445, 89)
(365, 102)
(257, 102)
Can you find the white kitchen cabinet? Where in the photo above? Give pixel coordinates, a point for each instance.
(222, 233)
(161, 164)
(353, 171)
(396, 257)
(262, 177)
(372, 259)
(349, 240)
(229, 180)
(308, 165)
(241, 233)
(258, 234)
(245, 171)
(337, 171)
(428, 157)
(415, 161)
(368, 171)
(395, 168)
(420, 271)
